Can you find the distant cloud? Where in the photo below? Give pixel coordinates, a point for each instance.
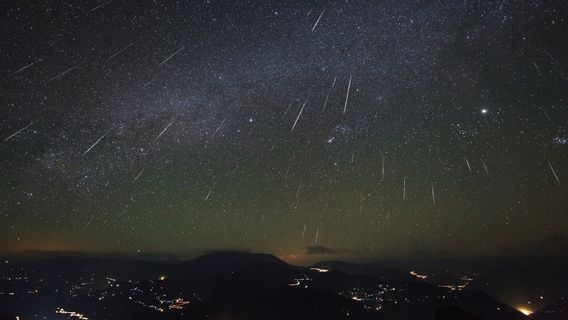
(322, 250)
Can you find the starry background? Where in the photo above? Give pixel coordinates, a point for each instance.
(168, 127)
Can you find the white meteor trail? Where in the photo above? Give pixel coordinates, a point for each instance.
(138, 175)
(61, 74)
(325, 103)
(347, 96)
(550, 56)
(94, 144)
(286, 111)
(171, 56)
(546, 114)
(404, 188)
(316, 24)
(209, 193)
(27, 66)
(537, 68)
(317, 235)
(19, 131)
(161, 133)
(88, 223)
(467, 162)
(286, 174)
(433, 194)
(120, 51)
(304, 231)
(219, 127)
(100, 6)
(383, 169)
(553, 172)
(299, 114)
(485, 167)
(150, 82)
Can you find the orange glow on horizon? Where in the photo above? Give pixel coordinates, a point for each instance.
(525, 311)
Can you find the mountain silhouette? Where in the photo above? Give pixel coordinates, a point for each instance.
(454, 313)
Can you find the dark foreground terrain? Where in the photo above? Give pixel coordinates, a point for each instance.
(232, 285)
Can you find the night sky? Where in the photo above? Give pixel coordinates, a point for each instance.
(310, 130)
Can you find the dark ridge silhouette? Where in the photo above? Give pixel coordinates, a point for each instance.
(375, 269)
(218, 263)
(231, 285)
(454, 313)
